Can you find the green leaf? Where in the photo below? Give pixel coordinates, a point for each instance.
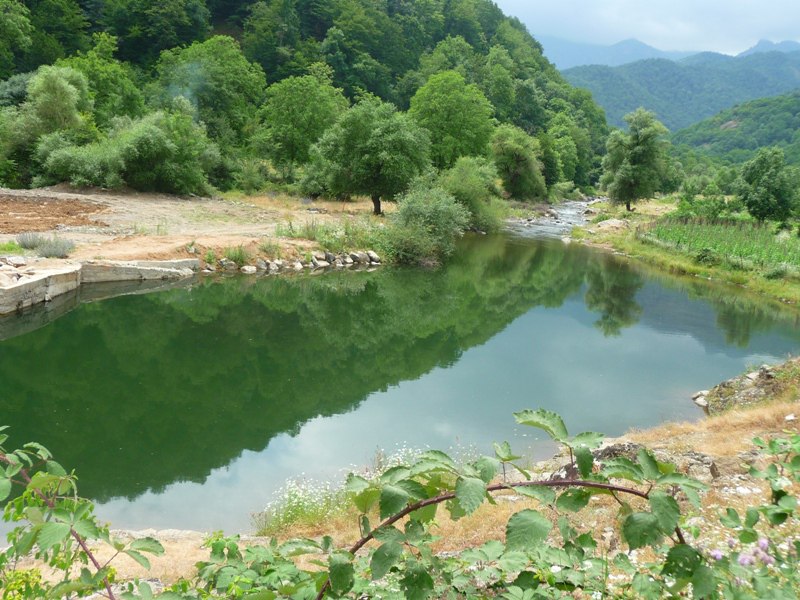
(587, 439)
(574, 499)
(86, 529)
(488, 467)
(395, 474)
(751, 517)
(641, 529)
(384, 558)
(260, 595)
(546, 420)
(440, 458)
(731, 518)
(51, 534)
(299, 547)
(504, 453)
(138, 557)
(356, 484)
(5, 489)
(648, 464)
(367, 499)
(622, 468)
(425, 514)
(470, 493)
(584, 460)
(666, 510)
(341, 573)
(682, 562)
(148, 544)
(526, 529)
(393, 500)
(414, 489)
(417, 582)
(704, 584)
(54, 468)
(389, 534)
(543, 494)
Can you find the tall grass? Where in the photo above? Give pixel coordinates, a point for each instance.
(744, 245)
(351, 235)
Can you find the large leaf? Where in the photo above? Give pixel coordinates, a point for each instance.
(5, 489)
(384, 558)
(504, 453)
(417, 582)
(488, 467)
(587, 439)
(648, 464)
(682, 562)
(138, 557)
(51, 534)
(470, 493)
(341, 573)
(545, 420)
(666, 510)
(393, 500)
(526, 529)
(584, 460)
(543, 494)
(574, 500)
(641, 529)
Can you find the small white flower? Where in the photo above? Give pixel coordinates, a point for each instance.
(555, 569)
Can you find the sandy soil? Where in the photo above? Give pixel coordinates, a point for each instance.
(133, 225)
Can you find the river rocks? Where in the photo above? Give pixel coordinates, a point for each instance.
(373, 257)
(14, 261)
(248, 270)
(103, 271)
(744, 390)
(262, 265)
(612, 225)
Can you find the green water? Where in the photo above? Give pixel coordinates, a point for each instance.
(187, 408)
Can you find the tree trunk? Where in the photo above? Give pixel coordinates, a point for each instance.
(628, 205)
(376, 205)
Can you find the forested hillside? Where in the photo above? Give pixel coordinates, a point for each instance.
(566, 54)
(686, 92)
(176, 94)
(736, 134)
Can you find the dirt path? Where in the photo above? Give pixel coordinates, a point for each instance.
(132, 225)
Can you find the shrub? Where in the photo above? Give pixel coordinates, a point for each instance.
(473, 182)
(55, 248)
(425, 226)
(31, 241)
(250, 176)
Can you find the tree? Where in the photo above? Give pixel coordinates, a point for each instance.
(634, 161)
(111, 82)
(768, 187)
(15, 33)
(372, 149)
(297, 112)
(223, 85)
(58, 29)
(457, 115)
(516, 155)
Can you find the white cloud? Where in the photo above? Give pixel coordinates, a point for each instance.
(720, 25)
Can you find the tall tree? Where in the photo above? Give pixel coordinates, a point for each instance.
(457, 115)
(634, 161)
(767, 187)
(516, 155)
(297, 112)
(372, 150)
(15, 33)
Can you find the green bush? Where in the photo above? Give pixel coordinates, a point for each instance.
(237, 254)
(55, 248)
(473, 182)
(426, 225)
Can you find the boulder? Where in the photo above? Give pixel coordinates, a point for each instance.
(373, 257)
(248, 270)
(261, 264)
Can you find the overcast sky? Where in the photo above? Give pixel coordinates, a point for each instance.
(728, 26)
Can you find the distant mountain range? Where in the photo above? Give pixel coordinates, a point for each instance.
(685, 92)
(565, 54)
(737, 133)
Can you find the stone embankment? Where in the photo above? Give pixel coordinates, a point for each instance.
(25, 282)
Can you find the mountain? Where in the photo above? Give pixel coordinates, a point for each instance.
(767, 46)
(686, 92)
(737, 133)
(565, 54)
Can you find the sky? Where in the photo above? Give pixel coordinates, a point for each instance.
(727, 26)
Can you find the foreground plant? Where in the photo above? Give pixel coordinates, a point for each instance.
(545, 553)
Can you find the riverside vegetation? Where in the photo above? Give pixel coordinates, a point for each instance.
(546, 553)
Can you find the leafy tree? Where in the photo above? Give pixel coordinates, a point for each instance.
(633, 165)
(472, 181)
(58, 29)
(219, 81)
(15, 33)
(373, 150)
(111, 83)
(516, 155)
(457, 115)
(272, 38)
(57, 99)
(498, 82)
(297, 112)
(768, 188)
(146, 27)
(551, 168)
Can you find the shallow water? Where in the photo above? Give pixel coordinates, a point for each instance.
(187, 408)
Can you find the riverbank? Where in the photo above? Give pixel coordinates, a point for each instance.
(614, 228)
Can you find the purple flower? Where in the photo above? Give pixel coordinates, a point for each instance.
(717, 554)
(731, 543)
(746, 560)
(763, 543)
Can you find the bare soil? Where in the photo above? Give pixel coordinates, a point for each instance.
(132, 225)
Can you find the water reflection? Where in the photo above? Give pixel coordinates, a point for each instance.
(212, 396)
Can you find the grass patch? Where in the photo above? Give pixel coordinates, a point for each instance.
(271, 248)
(10, 248)
(350, 235)
(237, 254)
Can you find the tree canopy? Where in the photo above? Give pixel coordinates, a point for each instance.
(634, 164)
(768, 187)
